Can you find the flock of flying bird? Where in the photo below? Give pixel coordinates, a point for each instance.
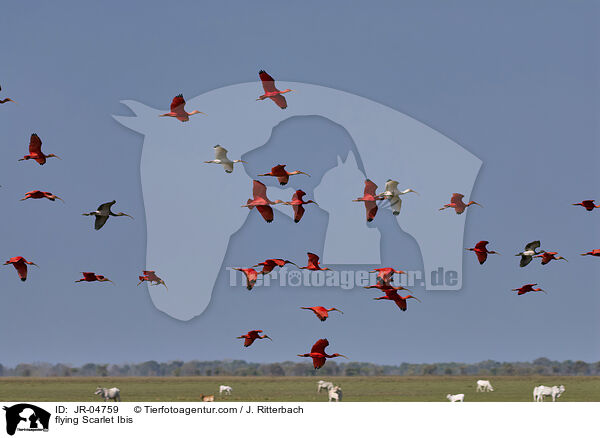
(263, 204)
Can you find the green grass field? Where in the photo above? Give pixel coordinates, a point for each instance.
(293, 389)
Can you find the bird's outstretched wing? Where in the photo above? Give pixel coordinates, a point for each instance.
(401, 302)
(35, 145)
(298, 195)
(371, 208)
(482, 257)
(268, 82)
(266, 212)
(100, 221)
(313, 259)
(481, 245)
(456, 198)
(220, 152)
(178, 103)
(106, 206)
(259, 190)
(298, 212)
(318, 362)
(370, 188)
(391, 186)
(525, 260)
(320, 346)
(532, 246)
(279, 100)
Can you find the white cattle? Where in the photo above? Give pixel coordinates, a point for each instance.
(456, 397)
(109, 394)
(321, 384)
(225, 389)
(484, 386)
(335, 393)
(540, 391)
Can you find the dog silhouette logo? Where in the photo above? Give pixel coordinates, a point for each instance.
(26, 417)
(193, 209)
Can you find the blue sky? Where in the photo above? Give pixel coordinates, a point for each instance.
(514, 83)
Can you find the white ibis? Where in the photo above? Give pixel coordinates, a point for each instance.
(392, 194)
(221, 158)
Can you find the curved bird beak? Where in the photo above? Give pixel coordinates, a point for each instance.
(125, 214)
(268, 338)
(341, 355)
(417, 299)
(34, 265)
(338, 310)
(58, 197)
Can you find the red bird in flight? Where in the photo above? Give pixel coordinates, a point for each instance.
(152, 278)
(261, 202)
(178, 110)
(321, 312)
(270, 264)
(20, 265)
(594, 252)
(90, 276)
(251, 336)
(528, 288)
(318, 355)
(369, 199)
(481, 251)
(282, 175)
(251, 276)
(271, 91)
(547, 257)
(588, 204)
(35, 151)
(385, 275)
(313, 263)
(297, 203)
(456, 202)
(392, 295)
(37, 194)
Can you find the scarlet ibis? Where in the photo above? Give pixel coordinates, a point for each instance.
(297, 203)
(318, 355)
(102, 214)
(530, 251)
(392, 295)
(547, 257)
(251, 336)
(528, 288)
(384, 275)
(251, 276)
(270, 264)
(152, 278)
(456, 202)
(321, 312)
(282, 175)
(594, 252)
(261, 202)
(7, 99)
(369, 199)
(392, 194)
(91, 276)
(20, 265)
(221, 158)
(178, 110)
(588, 204)
(271, 91)
(37, 194)
(481, 251)
(313, 263)
(386, 286)
(35, 151)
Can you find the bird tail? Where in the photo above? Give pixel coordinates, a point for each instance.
(250, 206)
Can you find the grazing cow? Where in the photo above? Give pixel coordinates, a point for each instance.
(484, 386)
(225, 389)
(321, 384)
(109, 394)
(207, 398)
(456, 397)
(335, 393)
(540, 391)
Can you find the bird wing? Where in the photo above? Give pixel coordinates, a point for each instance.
(391, 186)
(532, 246)
(279, 100)
(320, 346)
(220, 152)
(259, 190)
(371, 208)
(268, 82)
(525, 260)
(456, 198)
(313, 259)
(298, 212)
(320, 312)
(481, 245)
(248, 341)
(481, 256)
(100, 221)
(106, 206)
(318, 362)
(21, 268)
(298, 196)
(178, 103)
(370, 188)
(35, 145)
(266, 212)
(401, 302)
(279, 170)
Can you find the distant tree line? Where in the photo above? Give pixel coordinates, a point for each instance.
(541, 366)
